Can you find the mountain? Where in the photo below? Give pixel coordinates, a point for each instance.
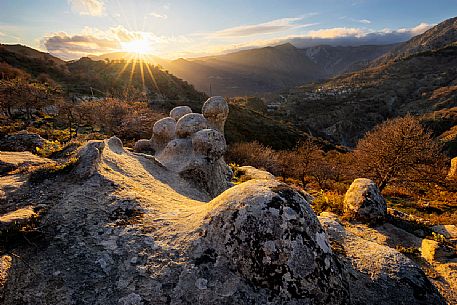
(421, 82)
(335, 60)
(249, 71)
(33, 61)
(271, 68)
(435, 38)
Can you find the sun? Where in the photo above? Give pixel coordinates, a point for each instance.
(141, 46)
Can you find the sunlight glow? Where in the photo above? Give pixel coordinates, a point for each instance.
(142, 46)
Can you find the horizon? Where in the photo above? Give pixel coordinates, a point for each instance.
(77, 28)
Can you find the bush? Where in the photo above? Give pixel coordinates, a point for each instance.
(328, 202)
(254, 154)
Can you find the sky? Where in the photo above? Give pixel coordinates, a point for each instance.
(71, 29)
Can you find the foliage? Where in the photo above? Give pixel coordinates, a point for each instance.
(409, 251)
(49, 147)
(328, 201)
(399, 151)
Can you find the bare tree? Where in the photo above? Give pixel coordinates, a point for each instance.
(398, 150)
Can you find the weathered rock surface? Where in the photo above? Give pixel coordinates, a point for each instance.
(18, 218)
(216, 111)
(180, 111)
(192, 149)
(249, 173)
(190, 124)
(136, 232)
(163, 131)
(22, 141)
(143, 146)
(363, 201)
(378, 274)
(10, 161)
(268, 233)
(89, 159)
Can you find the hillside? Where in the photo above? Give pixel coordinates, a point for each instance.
(345, 107)
(145, 82)
(435, 38)
(266, 69)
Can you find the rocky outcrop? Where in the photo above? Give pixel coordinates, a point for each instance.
(193, 145)
(363, 201)
(378, 274)
(89, 158)
(22, 141)
(10, 161)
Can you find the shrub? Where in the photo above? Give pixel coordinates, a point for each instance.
(254, 154)
(328, 202)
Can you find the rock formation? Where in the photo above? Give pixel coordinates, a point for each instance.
(22, 141)
(363, 201)
(144, 146)
(193, 145)
(216, 111)
(137, 232)
(377, 274)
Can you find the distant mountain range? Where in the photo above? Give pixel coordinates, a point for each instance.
(417, 77)
(266, 69)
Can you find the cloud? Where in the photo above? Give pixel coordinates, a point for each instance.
(157, 15)
(417, 30)
(261, 28)
(93, 41)
(332, 36)
(88, 7)
(336, 32)
(365, 21)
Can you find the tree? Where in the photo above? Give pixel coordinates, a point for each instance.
(399, 150)
(306, 154)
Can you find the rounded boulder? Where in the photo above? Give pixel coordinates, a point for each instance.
(363, 201)
(216, 110)
(190, 124)
(180, 111)
(209, 143)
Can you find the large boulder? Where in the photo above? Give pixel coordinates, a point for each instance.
(264, 234)
(363, 201)
(378, 274)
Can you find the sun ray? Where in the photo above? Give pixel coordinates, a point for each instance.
(152, 77)
(142, 73)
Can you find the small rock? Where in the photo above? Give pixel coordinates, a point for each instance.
(363, 201)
